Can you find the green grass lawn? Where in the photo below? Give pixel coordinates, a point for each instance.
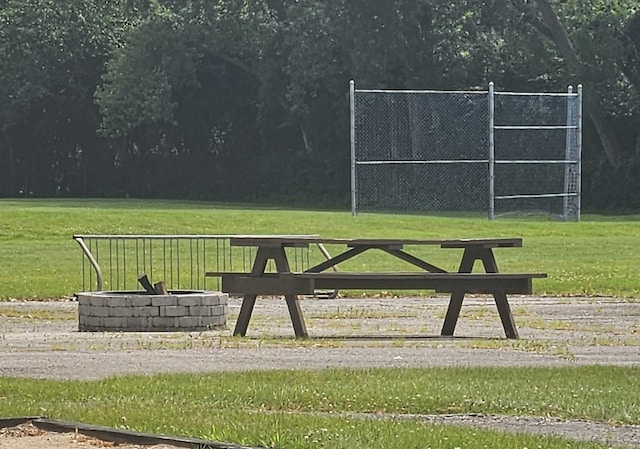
(38, 258)
(310, 409)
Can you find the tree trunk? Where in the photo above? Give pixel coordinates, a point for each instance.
(7, 172)
(549, 25)
(603, 127)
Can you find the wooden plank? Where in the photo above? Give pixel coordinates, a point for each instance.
(307, 283)
(306, 240)
(414, 275)
(482, 243)
(332, 262)
(488, 283)
(301, 241)
(268, 284)
(444, 243)
(414, 260)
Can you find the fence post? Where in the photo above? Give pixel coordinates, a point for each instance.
(579, 155)
(568, 160)
(352, 115)
(492, 149)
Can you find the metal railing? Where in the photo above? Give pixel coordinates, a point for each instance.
(114, 262)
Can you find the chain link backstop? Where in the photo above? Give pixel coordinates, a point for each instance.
(473, 151)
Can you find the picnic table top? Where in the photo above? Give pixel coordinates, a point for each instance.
(300, 240)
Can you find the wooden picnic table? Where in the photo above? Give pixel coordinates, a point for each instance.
(324, 275)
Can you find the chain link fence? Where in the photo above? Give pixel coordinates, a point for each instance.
(474, 151)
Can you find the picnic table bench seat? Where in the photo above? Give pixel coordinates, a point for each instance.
(307, 283)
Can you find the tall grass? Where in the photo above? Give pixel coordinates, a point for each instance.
(38, 259)
(308, 409)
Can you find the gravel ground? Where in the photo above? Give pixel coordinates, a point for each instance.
(40, 340)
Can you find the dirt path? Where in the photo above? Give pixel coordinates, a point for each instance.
(41, 340)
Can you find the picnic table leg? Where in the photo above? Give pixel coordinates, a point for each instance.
(506, 317)
(485, 255)
(295, 312)
(499, 296)
(248, 301)
(263, 255)
(455, 303)
(453, 312)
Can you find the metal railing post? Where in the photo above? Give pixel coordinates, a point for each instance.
(92, 261)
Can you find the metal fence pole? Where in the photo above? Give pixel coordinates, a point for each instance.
(352, 113)
(567, 154)
(579, 154)
(492, 150)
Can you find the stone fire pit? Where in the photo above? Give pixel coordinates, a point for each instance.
(138, 311)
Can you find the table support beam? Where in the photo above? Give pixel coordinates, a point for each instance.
(330, 263)
(400, 254)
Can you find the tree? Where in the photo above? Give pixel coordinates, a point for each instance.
(214, 92)
(51, 57)
(171, 95)
(542, 15)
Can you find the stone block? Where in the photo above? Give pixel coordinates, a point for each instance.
(188, 322)
(212, 321)
(94, 321)
(164, 301)
(84, 309)
(163, 322)
(200, 311)
(140, 300)
(119, 301)
(188, 301)
(98, 301)
(83, 299)
(146, 311)
(173, 311)
(218, 310)
(121, 311)
(99, 311)
(114, 322)
(139, 322)
(214, 299)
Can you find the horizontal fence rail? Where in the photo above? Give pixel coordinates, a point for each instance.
(114, 262)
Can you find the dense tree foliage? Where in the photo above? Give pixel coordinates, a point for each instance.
(247, 99)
